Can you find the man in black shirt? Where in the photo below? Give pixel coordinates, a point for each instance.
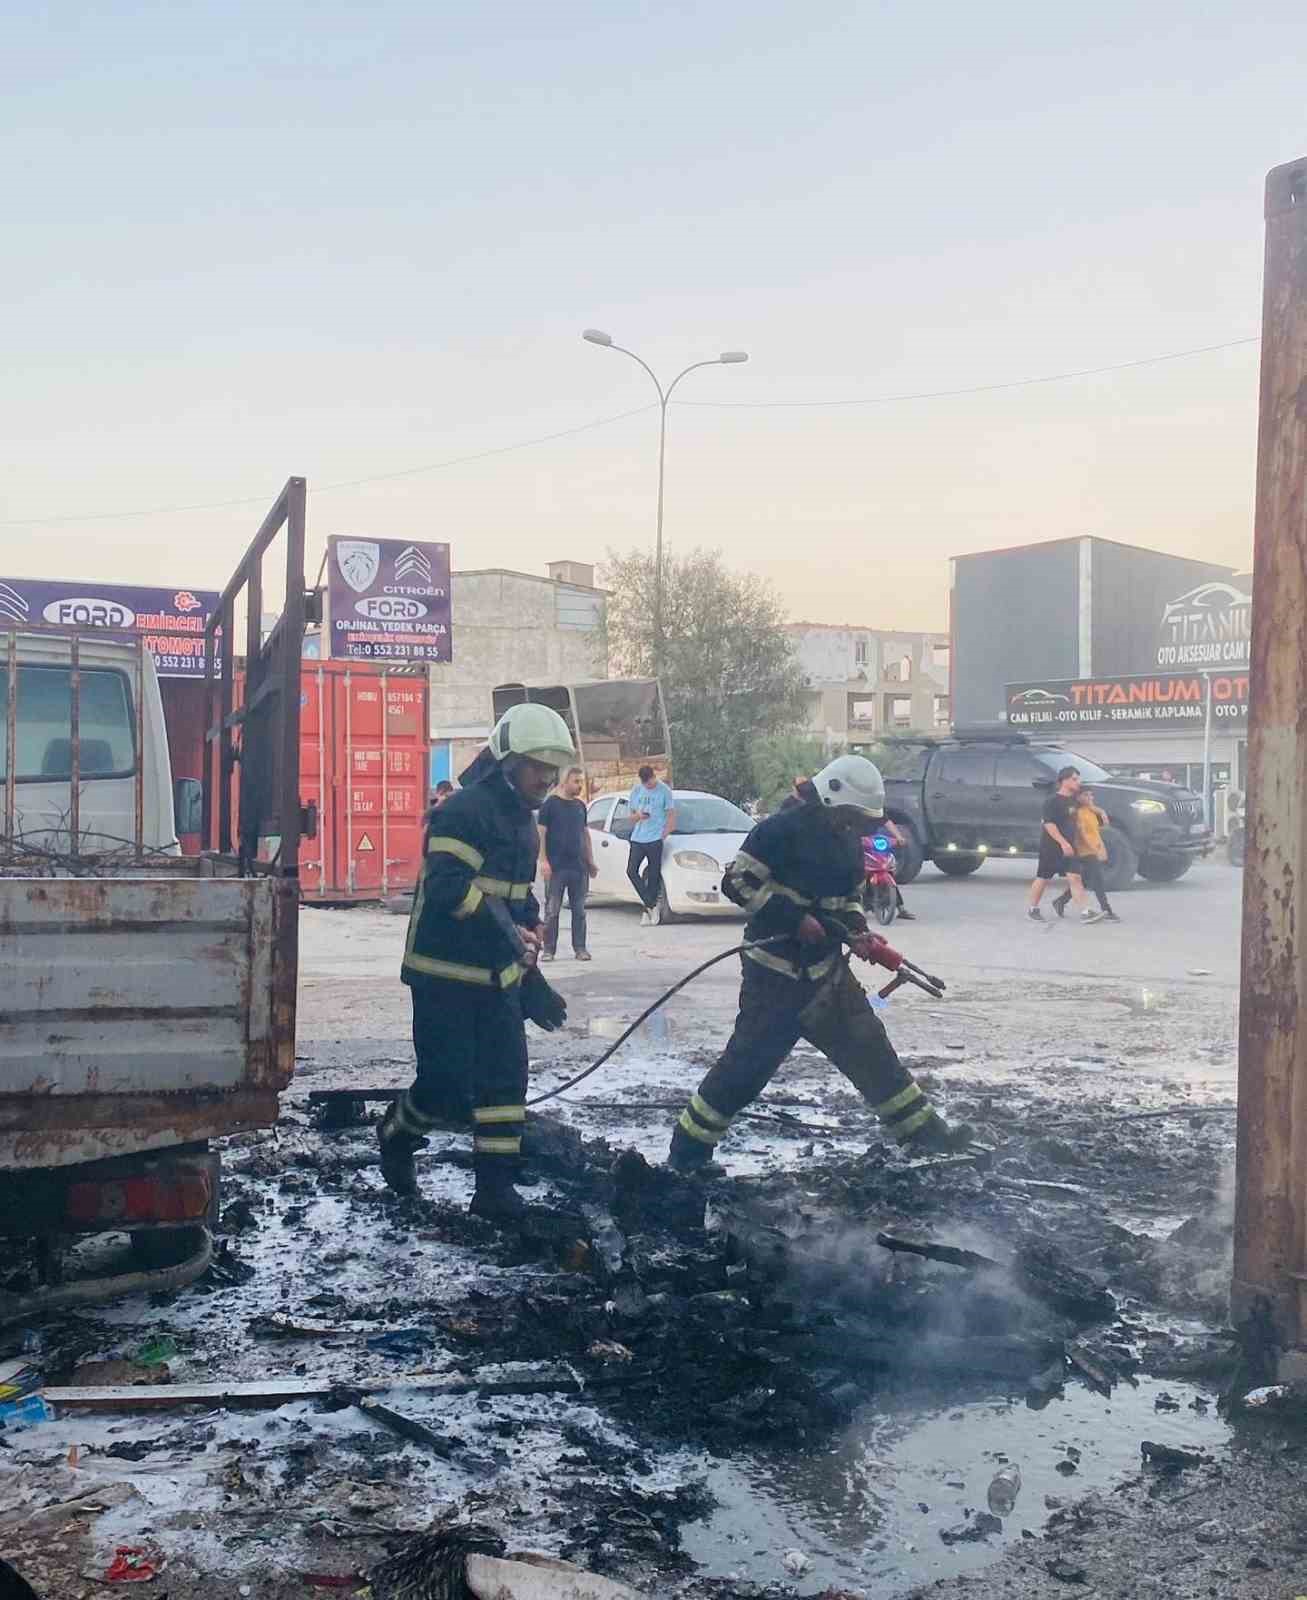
(1057, 849)
(567, 862)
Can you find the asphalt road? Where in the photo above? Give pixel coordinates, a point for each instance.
(1156, 992)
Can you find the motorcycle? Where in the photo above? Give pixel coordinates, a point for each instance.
(881, 894)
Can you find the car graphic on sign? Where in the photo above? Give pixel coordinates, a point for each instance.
(1206, 597)
(1039, 697)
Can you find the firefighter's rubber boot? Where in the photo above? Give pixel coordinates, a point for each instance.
(692, 1158)
(935, 1138)
(397, 1151)
(495, 1198)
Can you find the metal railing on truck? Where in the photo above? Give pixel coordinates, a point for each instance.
(267, 803)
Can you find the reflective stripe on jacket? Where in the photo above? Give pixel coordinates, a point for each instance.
(794, 864)
(476, 885)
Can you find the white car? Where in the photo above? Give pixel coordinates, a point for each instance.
(709, 834)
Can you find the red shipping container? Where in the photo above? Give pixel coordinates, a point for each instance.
(368, 771)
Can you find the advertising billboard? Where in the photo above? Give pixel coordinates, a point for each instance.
(172, 620)
(1177, 700)
(388, 600)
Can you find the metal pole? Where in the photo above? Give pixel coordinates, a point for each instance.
(385, 784)
(75, 746)
(1270, 1231)
(1207, 753)
(11, 742)
(658, 546)
(139, 786)
(349, 784)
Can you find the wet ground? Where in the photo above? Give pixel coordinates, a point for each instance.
(761, 1394)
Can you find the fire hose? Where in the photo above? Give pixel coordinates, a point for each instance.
(883, 954)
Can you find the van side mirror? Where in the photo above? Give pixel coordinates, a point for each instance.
(188, 805)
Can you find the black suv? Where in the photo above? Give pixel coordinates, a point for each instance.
(969, 798)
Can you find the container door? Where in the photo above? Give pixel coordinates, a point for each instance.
(407, 761)
(314, 865)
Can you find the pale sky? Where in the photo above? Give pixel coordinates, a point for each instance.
(250, 240)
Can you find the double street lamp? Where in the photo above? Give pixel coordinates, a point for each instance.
(728, 358)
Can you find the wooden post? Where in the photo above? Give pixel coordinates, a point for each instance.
(1270, 1261)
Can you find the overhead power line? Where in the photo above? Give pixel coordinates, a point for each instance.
(621, 416)
(979, 388)
(326, 488)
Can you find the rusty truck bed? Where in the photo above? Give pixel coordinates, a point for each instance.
(141, 1013)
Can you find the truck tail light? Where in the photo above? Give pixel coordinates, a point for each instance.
(176, 1195)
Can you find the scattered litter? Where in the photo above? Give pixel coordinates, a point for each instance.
(276, 1327)
(1257, 1398)
(155, 1351)
(133, 1564)
(25, 1413)
(407, 1428)
(1168, 1459)
(607, 1351)
(976, 1528)
(795, 1563)
(1003, 1491)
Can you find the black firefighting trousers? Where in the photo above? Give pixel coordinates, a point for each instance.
(471, 1066)
(835, 1015)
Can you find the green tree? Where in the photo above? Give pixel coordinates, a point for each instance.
(729, 674)
(783, 757)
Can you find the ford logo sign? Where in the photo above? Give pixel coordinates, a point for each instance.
(390, 608)
(89, 613)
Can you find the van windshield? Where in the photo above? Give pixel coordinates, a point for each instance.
(45, 724)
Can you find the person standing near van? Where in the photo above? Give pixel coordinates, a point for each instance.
(653, 811)
(567, 862)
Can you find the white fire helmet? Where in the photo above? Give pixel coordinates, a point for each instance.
(852, 781)
(534, 731)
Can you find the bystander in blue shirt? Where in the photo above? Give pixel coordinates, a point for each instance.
(658, 802)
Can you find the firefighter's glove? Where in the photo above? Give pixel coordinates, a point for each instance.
(541, 1004)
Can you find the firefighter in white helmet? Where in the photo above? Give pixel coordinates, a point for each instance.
(470, 961)
(800, 878)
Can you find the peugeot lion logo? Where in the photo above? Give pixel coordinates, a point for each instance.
(413, 561)
(359, 561)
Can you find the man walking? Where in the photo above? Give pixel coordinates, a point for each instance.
(1090, 822)
(653, 810)
(800, 879)
(567, 862)
(1057, 850)
(470, 962)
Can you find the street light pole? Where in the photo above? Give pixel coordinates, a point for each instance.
(728, 358)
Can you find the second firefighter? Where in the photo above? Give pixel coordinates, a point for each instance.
(800, 878)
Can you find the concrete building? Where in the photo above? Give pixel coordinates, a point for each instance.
(511, 627)
(864, 682)
(1136, 658)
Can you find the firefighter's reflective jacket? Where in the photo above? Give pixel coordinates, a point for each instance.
(793, 864)
(476, 884)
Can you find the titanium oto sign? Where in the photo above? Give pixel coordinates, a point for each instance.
(388, 600)
(171, 620)
(1210, 626)
(1149, 700)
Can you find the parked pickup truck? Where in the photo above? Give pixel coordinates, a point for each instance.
(147, 999)
(969, 798)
